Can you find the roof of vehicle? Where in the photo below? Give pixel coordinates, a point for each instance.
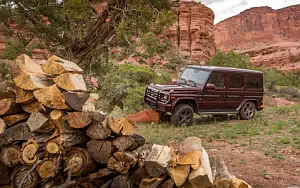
(215, 68)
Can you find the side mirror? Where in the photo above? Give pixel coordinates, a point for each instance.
(210, 86)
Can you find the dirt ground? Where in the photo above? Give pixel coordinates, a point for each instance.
(253, 166)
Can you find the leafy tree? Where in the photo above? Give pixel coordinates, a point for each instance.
(75, 29)
(230, 59)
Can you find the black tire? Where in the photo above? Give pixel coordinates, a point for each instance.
(247, 111)
(182, 115)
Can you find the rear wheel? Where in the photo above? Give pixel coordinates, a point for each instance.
(182, 115)
(247, 111)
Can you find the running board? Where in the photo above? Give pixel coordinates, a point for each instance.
(218, 113)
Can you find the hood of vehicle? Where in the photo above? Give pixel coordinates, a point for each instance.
(175, 87)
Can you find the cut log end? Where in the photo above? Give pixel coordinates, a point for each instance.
(29, 153)
(52, 147)
(46, 169)
(79, 120)
(11, 156)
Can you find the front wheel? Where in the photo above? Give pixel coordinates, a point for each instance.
(247, 111)
(182, 115)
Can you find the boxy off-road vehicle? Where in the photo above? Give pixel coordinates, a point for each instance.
(207, 90)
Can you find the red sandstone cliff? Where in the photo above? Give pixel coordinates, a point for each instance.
(270, 37)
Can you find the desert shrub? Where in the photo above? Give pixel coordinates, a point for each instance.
(230, 59)
(134, 101)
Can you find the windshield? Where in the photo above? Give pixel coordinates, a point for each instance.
(199, 76)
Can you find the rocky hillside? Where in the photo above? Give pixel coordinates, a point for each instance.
(270, 37)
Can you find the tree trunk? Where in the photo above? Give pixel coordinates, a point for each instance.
(179, 174)
(71, 82)
(8, 107)
(76, 100)
(158, 160)
(11, 155)
(19, 132)
(121, 162)
(79, 160)
(2, 125)
(51, 97)
(39, 122)
(57, 66)
(98, 131)
(14, 119)
(129, 143)
(23, 96)
(24, 176)
(105, 147)
(79, 120)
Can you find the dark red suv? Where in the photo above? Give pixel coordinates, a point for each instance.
(208, 90)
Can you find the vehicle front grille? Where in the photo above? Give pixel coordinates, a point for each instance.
(152, 93)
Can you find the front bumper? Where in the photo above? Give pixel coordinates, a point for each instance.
(158, 106)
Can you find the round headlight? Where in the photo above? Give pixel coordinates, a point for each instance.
(164, 97)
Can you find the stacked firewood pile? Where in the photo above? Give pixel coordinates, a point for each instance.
(51, 135)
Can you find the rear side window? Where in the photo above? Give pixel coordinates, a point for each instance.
(218, 79)
(236, 81)
(254, 81)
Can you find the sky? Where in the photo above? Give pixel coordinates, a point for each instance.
(227, 8)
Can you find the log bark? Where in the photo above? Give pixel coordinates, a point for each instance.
(28, 75)
(121, 162)
(169, 183)
(129, 143)
(16, 118)
(202, 177)
(121, 181)
(11, 155)
(2, 125)
(70, 137)
(76, 100)
(8, 107)
(71, 82)
(79, 120)
(152, 182)
(157, 161)
(101, 173)
(105, 147)
(23, 96)
(33, 149)
(79, 160)
(39, 122)
(33, 107)
(4, 177)
(24, 175)
(57, 66)
(19, 132)
(51, 97)
(138, 176)
(98, 131)
(179, 174)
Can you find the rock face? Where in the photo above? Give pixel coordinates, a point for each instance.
(193, 32)
(270, 37)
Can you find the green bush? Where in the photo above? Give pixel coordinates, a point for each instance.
(134, 101)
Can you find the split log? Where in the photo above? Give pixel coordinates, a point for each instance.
(11, 155)
(8, 107)
(33, 107)
(121, 162)
(24, 176)
(98, 116)
(39, 122)
(78, 120)
(2, 125)
(57, 66)
(121, 181)
(14, 119)
(222, 178)
(103, 147)
(6, 90)
(46, 168)
(123, 125)
(138, 175)
(19, 132)
(76, 100)
(51, 97)
(152, 182)
(71, 82)
(33, 149)
(157, 161)
(202, 177)
(101, 173)
(79, 161)
(4, 178)
(23, 96)
(237, 183)
(98, 131)
(129, 143)
(70, 137)
(28, 75)
(142, 155)
(179, 174)
(53, 147)
(169, 183)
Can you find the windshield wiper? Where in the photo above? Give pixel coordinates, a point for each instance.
(182, 80)
(192, 82)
